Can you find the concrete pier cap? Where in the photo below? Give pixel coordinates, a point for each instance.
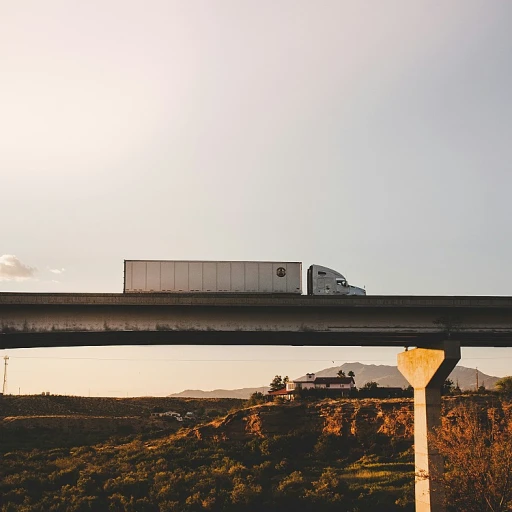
(429, 367)
(426, 369)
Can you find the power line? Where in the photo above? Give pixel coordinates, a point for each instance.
(185, 360)
(225, 360)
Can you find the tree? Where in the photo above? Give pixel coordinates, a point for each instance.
(448, 386)
(351, 374)
(504, 385)
(370, 386)
(256, 398)
(278, 383)
(408, 392)
(341, 374)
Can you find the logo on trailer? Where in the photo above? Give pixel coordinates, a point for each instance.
(281, 271)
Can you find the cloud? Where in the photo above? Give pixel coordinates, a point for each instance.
(57, 270)
(12, 269)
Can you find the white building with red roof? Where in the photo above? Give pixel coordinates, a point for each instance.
(340, 386)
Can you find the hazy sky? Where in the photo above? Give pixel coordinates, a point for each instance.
(370, 137)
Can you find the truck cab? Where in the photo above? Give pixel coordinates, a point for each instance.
(325, 281)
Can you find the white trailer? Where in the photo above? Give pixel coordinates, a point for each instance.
(155, 276)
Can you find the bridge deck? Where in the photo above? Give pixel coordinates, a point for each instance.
(245, 299)
(77, 319)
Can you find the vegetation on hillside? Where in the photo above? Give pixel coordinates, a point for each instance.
(351, 455)
(31, 405)
(477, 445)
(268, 457)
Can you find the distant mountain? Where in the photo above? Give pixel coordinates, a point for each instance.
(385, 375)
(243, 393)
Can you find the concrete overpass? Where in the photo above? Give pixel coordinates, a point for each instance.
(50, 320)
(437, 326)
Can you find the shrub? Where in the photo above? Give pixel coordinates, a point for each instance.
(477, 446)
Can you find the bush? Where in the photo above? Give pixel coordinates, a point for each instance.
(477, 446)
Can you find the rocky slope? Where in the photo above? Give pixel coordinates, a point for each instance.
(361, 419)
(349, 418)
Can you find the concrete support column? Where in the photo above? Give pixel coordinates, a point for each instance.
(426, 369)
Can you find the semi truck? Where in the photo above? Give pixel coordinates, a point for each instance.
(260, 277)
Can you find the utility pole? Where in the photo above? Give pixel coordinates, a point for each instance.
(477, 378)
(4, 387)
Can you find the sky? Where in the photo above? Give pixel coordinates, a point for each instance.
(369, 137)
